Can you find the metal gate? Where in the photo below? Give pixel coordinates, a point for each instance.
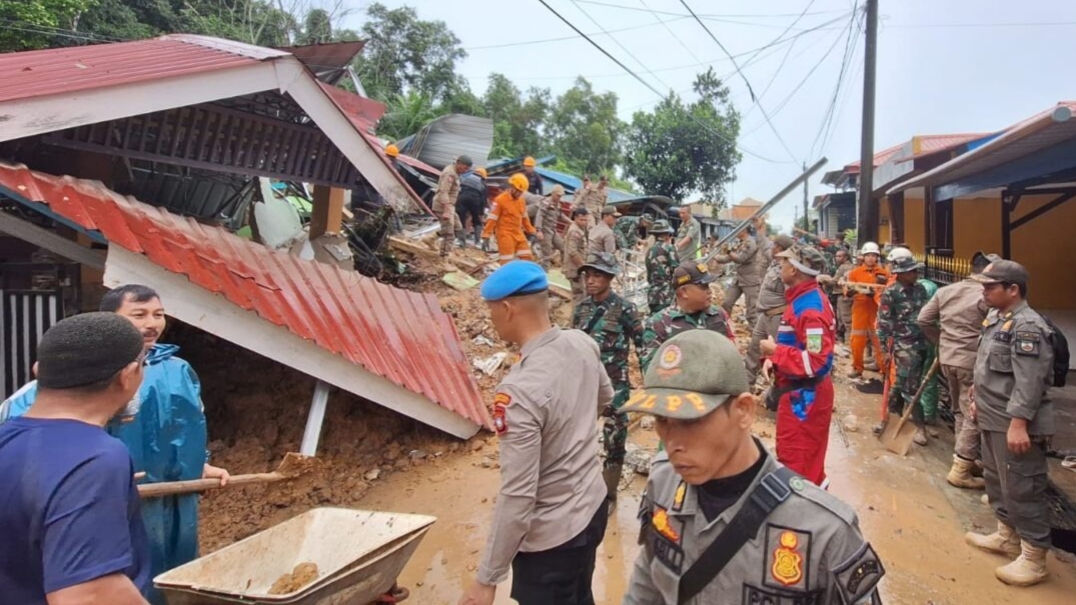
(25, 317)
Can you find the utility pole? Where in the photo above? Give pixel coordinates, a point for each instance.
(866, 213)
(806, 223)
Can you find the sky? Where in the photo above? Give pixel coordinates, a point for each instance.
(944, 67)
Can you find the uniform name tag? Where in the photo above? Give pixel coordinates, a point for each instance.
(670, 555)
(753, 595)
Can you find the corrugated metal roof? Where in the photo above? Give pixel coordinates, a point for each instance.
(41, 73)
(401, 335)
(444, 139)
(322, 58)
(1033, 134)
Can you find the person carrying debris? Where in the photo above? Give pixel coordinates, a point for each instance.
(723, 521)
(870, 275)
(626, 230)
(593, 197)
(661, 261)
(801, 361)
(601, 238)
(694, 310)
(898, 325)
(534, 180)
(69, 507)
(551, 513)
(444, 200)
(1013, 369)
(471, 203)
(575, 252)
(748, 277)
(953, 319)
(614, 324)
(545, 222)
(509, 223)
(166, 439)
(688, 236)
(771, 306)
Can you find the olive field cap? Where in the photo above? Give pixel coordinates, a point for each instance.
(692, 273)
(1003, 271)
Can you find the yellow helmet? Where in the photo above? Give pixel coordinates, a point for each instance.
(519, 182)
(392, 150)
(529, 162)
(482, 172)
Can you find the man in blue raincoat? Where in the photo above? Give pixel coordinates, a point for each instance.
(166, 437)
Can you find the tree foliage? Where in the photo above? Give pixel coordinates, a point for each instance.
(406, 113)
(584, 128)
(681, 148)
(32, 24)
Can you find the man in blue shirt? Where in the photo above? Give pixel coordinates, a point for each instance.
(69, 508)
(167, 439)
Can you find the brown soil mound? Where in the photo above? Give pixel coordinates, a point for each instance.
(303, 574)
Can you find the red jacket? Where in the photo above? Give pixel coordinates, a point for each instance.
(805, 338)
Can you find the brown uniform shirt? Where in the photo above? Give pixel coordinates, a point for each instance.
(448, 189)
(601, 239)
(575, 250)
(954, 318)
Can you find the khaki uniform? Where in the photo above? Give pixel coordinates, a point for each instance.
(844, 303)
(809, 549)
(545, 222)
(1013, 370)
(601, 238)
(444, 205)
(690, 229)
(748, 278)
(545, 413)
(593, 199)
(575, 254)
(771, 304)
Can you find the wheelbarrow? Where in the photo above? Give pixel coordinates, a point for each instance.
(358, 556)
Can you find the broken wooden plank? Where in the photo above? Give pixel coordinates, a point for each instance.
(414, 248)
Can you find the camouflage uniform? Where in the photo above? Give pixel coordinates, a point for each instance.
(672, 321)
(626, 231)
(661, 261)
(444, 205)
(613, 323)
(898, 314)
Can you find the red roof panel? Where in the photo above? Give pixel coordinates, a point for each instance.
(397, 334)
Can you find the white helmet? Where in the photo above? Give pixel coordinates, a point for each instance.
(870, 248)
(898, 253)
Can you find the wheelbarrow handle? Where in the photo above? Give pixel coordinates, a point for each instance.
(157, 490)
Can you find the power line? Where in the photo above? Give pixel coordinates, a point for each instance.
(622, 47)
(708, 17)
(669, 29)
(849, 51)
(566, 38)
(787, 54)
(651, 87)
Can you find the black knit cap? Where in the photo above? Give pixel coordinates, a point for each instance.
(86, 349)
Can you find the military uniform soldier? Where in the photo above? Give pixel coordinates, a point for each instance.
(614, 324)
(694, 309)
(898, 321)
(688, 236)
(661, 261)
(747, 276)
(724, 523)
(545, 222)
(575, 252)
(771, 305)
(550, 514)
(444, 200)
(1013, 369)
(626, 231)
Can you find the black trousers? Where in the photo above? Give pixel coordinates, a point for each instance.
(560, 575)
(470, 205)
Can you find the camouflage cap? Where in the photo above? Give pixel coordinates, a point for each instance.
(693, 374)
(661, 226)
(905, 264)
(692, 273)
(604, 262)
(805, 259)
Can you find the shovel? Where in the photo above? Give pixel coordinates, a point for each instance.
(290, 467)
(898, 434)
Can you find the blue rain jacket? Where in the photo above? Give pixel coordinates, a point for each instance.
(167, 440)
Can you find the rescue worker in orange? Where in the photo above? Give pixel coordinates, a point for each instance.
(509, 223)
(865, 306)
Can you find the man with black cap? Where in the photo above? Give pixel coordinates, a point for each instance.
(550, 514)
(771, 305)
(444, 200)
(69, 508)
(694, 309)
(723, 522)
(614, 324)
(601, 238)
(1013, 370)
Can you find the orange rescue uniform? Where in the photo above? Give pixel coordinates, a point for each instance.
(509, 223)
(865, 313)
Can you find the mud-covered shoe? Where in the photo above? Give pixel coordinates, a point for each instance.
(920, 437)
(1002, 542)
(960, 475)
(855, 374)
(1028, 569)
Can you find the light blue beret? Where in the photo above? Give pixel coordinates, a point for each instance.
(516, 278)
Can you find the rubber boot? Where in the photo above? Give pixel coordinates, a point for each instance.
(611, 474)
(960, 475)
(477, 236)
(1028, 569)
(1002, 542)
(461, 238)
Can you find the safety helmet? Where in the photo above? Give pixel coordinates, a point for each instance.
(519, 181)
(529, 161)
(898, 253)
(870, 248)
(392, 150)
(482, 172)
(905, 264)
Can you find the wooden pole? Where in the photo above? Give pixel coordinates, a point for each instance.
(328, 212)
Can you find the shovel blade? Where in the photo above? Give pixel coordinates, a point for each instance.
(902, 439)
(892, 427)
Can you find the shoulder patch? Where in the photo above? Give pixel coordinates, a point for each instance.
(788, 556)
(500, 412)
(859, 575)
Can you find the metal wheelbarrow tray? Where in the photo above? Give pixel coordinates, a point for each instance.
(359, 555)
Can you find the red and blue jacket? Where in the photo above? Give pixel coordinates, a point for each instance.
(804, 355)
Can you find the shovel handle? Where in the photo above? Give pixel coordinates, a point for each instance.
(170, 488)
(918, 394)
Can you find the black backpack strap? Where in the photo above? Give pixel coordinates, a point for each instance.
(770, 492)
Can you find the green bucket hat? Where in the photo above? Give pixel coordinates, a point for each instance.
(691, 375)
(604, 262)
(661, 226)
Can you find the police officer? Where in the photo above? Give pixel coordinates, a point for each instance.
(722, 521)
(600, 237)
(575, 252)
(550, 515)
(688, 236)
(694, 310)
(1013, 369)
(661, 261)
(444, 200)
(614, 324)
(744, 255)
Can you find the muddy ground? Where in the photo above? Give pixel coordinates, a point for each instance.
(372, 458)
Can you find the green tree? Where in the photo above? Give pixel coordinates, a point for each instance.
(405, 114)
(404, 53)
(679, 149)
(317, 27)
(584, 129)
(33, 24)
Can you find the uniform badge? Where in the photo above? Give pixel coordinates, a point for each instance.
(670, 358)
(701, 267)
(660, 521)
(788, 550)
(814, 340)
(1006, 326)
(787, 565)
(678, 499)
(500, 412)
(1027, 343)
